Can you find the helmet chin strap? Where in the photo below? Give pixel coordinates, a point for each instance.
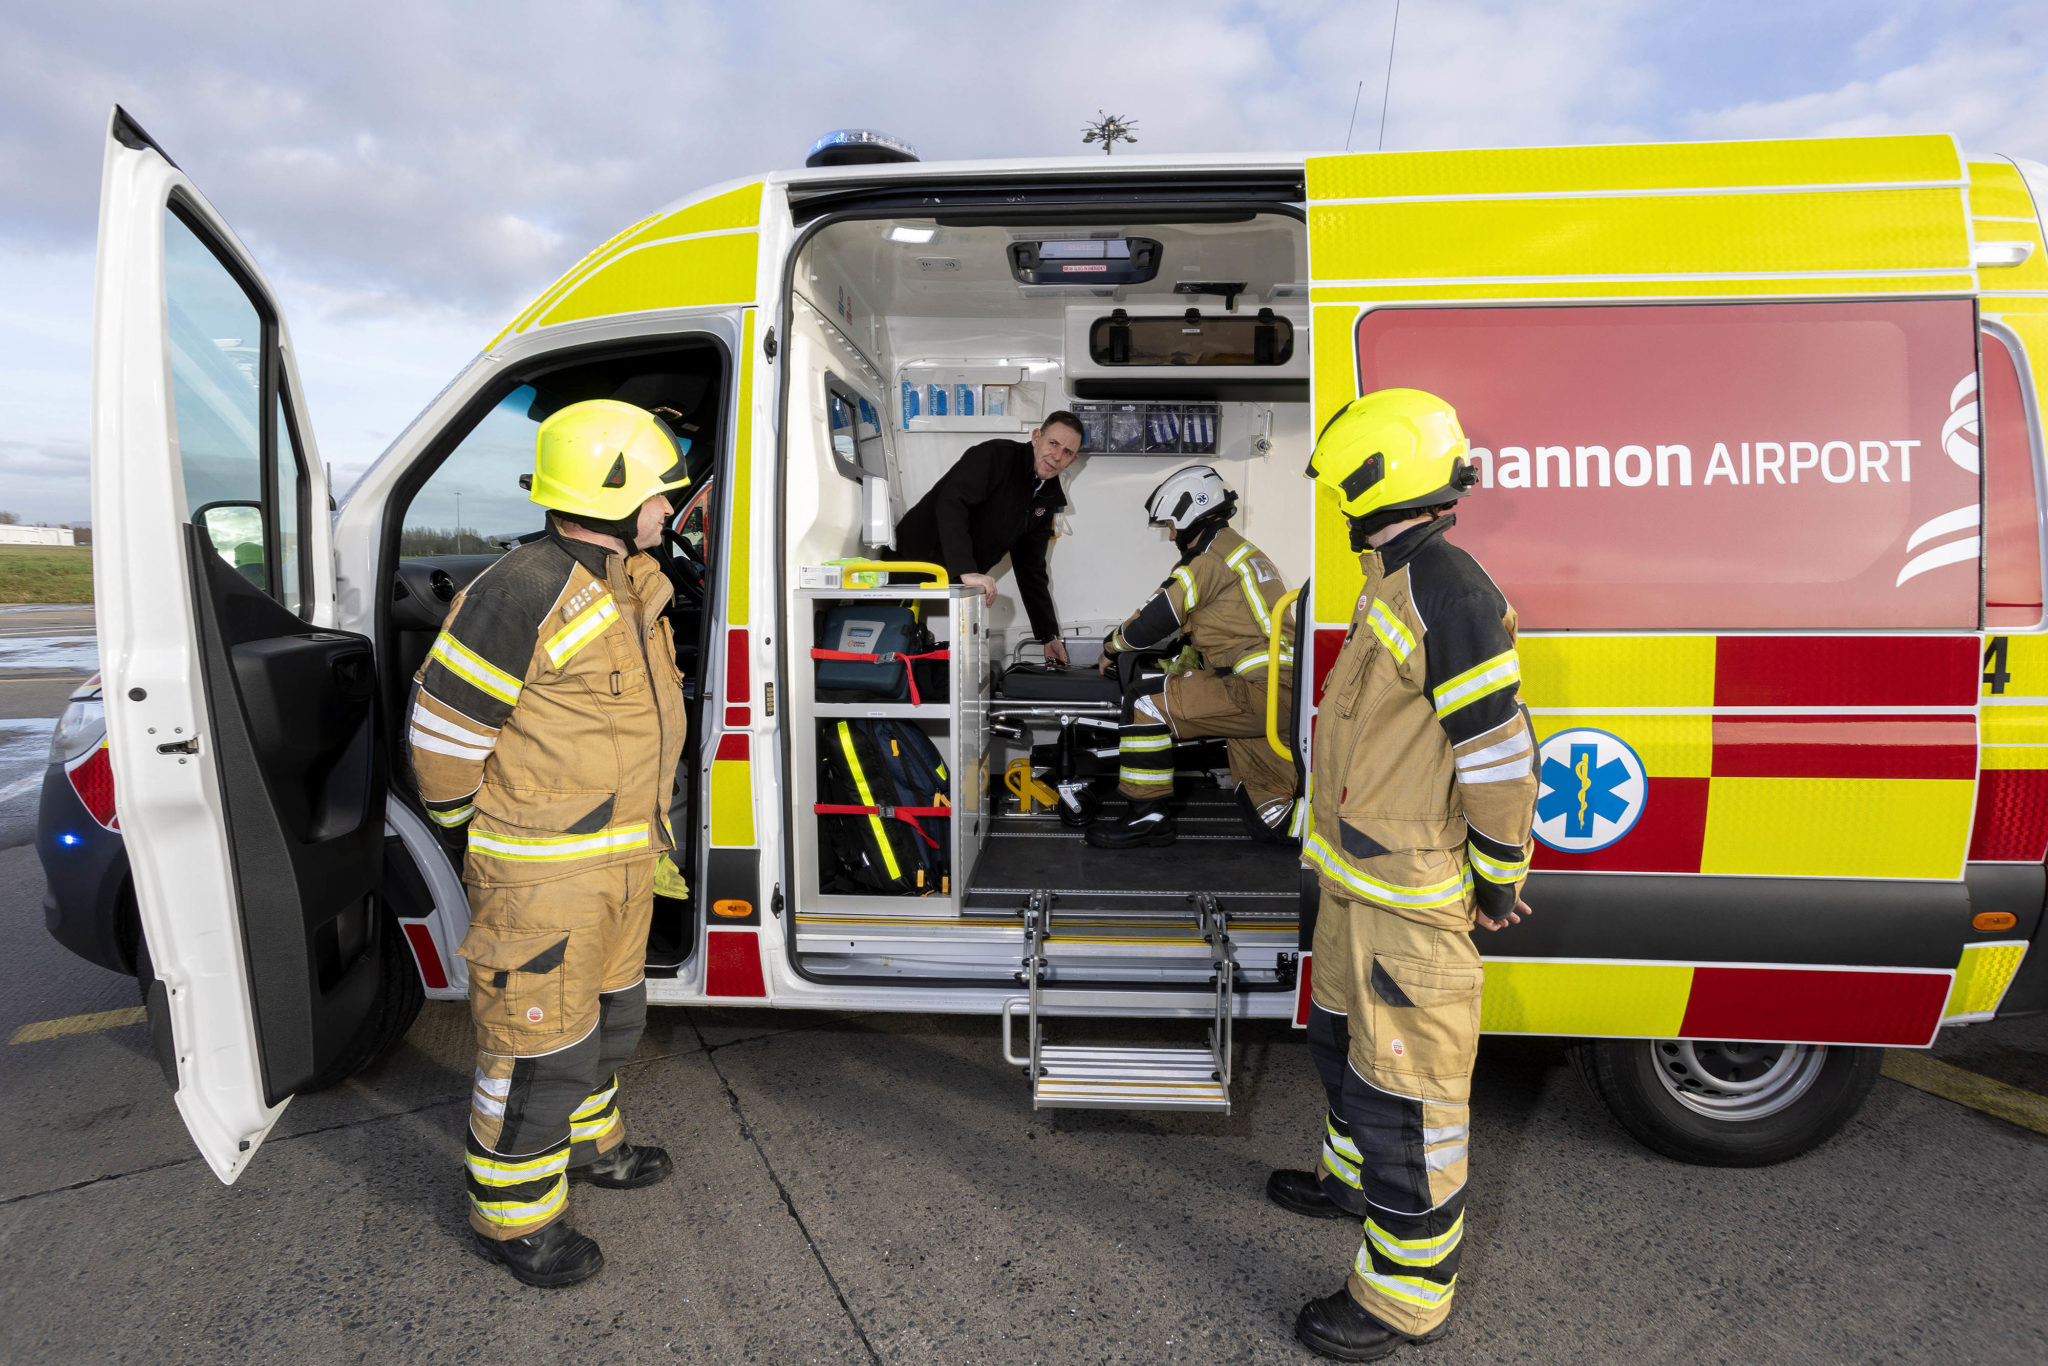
(626, 529)
(1194, 538)
(1363, 529)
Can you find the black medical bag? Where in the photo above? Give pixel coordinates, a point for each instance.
(884, 810)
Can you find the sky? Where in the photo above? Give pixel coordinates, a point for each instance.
(410, 174)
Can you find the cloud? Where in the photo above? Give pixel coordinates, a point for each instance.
(1980, 80)
(412, 172)
(45, 481)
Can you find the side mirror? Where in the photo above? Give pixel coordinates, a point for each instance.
(235, 531)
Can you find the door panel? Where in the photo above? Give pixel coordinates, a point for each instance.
(245, 739)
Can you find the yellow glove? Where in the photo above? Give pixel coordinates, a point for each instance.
(668, 880)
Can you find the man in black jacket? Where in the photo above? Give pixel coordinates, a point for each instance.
(999, 499)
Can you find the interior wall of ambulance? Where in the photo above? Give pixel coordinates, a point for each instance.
(1106, 560)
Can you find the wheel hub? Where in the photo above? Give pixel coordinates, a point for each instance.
(1737, 1081)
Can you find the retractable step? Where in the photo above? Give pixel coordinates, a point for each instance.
(1104, 1077)
(1083, 1078)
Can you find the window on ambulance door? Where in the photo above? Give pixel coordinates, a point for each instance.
(2012, 495)
(1782, 466)
(245, 478)
(473, 505)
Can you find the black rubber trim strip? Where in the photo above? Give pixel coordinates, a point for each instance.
(1003, 198)
(1248, 390)
(1690, 919)
(126, 131)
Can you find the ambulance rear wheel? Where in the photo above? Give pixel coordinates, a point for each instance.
(1725, 1103)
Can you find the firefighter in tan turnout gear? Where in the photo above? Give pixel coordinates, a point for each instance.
(1422, 792)
(1220, 600)
(548, 723)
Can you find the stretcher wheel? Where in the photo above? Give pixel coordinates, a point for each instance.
(1724, 1103)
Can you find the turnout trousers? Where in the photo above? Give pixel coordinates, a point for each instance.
(558, 993)
(1198, 705)
(1393, 1028)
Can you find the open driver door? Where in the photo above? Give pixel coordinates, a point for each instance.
(245, 736)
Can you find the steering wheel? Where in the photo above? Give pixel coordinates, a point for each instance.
(685, 570)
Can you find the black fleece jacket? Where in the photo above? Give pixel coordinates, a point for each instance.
(990, 504)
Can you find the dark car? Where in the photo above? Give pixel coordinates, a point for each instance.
(88, 899)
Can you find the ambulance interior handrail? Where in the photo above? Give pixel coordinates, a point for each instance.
(937, 573)
(1272, 672)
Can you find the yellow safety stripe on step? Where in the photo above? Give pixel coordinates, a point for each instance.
(867, 798)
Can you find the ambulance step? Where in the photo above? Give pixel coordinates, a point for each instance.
(1082, 1078)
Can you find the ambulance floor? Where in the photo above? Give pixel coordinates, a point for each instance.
(1025, 854)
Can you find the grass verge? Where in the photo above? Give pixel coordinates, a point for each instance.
(45, 573)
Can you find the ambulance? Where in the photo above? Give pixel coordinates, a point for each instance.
(1760, 439)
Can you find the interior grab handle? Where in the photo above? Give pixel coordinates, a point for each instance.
(937, 573)
(1273, 672)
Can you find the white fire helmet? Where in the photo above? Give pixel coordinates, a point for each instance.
(1187, 495)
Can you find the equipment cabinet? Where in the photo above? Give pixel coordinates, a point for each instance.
(957, 725)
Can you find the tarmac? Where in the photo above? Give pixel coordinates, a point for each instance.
(877, 1188)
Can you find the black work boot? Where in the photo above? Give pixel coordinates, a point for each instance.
(1335, 1326)
(557, 1255)
(625, 1168)
(1302, 1193)
(1143, 822)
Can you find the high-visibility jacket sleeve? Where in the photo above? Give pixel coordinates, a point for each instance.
(1156, 623)
(1473, 678)
(466, 691)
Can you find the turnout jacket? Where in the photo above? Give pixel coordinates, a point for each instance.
(1423, 782)
(1222, 600)
(548, 716)
(990, 504)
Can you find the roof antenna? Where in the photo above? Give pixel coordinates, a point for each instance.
(1355, 97)
(1387, 89)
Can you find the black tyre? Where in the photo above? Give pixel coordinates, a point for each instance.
(399, 997)
(1728, 1104)
(397, 1005)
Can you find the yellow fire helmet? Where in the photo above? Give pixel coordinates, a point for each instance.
(1393, 450)
(602, 459)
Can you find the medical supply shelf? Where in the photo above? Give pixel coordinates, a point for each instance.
(957, 727)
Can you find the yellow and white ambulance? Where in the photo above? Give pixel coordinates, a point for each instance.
(1760, 438)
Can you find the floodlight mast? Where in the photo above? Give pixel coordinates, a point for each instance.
(1109, 129)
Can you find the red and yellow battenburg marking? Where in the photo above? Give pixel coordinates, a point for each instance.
(2012, 782)
(1899, 1007)
(1829, 786)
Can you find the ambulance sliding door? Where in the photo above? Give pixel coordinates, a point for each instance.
(1722, 398)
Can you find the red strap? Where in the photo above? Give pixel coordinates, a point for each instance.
(908, 672)
(907, 814)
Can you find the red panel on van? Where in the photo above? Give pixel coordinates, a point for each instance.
(1710, 466)
(2012, 816)
(1667, 838)
(1845, 747)
(1847, 671)
(1815, 1005)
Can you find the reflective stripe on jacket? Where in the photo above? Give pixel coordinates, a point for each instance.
(1222, 601)
(1424, 773)
(548, 716)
